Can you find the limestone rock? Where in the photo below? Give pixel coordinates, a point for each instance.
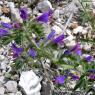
(5, 19)
(11, 86)
(30, 83)
(77, 30)
(2, 90)
(57, 29)
(45, 5)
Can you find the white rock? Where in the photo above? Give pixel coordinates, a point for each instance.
(2, 79)
(5, 19)
(2, 57)
(15, 16)
(71, 43)
(57, 29)
(84, 31)
(56, 14)
(87, 47)
(4, 64)
(11, 94)
(45, 5)
(68, 32)
(1, 3)
(30, 83)
(79, 29)
(1, 10)
(11, 5)
(18, 93)
(2, 90)
(71, 84)
(11, 86)
(31, 1)
(69, 39)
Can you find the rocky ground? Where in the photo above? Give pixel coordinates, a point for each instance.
(66, 17)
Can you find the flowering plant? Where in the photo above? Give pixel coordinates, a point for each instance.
(31, 47)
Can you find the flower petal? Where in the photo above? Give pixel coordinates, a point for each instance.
(51, 34)
(59, 38)
(60, 79)
(3, 32)
(17, 51)
(6, 25)
(23, 13)
(32, 53)
(89, 58)
(44, 17)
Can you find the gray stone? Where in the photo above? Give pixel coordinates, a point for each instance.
(1, 10)
(15, 16)
(2, 90)
(2, 80)
(11, 5)
(30, 83)
(45, 5)
(1, 3)
(18, 93)
(11, 86)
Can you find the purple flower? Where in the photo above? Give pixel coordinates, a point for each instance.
(92, 76)
(59, 39)
(60, 79)
(88, 58)
(91, 70)
(17, 51)
(75, 77)
(77, 49)
(3, 32)
(23, 13)
(32, 53)
(6, 25)
(51, 34)
(44, 17)
(16, 25)
(79, 52)
(67, 52)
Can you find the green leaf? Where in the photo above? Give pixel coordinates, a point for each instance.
(79, 83)
(66, 66)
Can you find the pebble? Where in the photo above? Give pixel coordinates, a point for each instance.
(1, 3)
(5, 19)
(45, 5)
(2, 90)
(68, 32)
(77, 30)
(56, 14)
(74, 25)
(2, 80)
(5, 10)
(84, 31)
(11, 5)
(57, 29)
(11, 86)
(69, 39)
(1, 10)
(71, 43)
(15, 16)
(87, 47)
(2, 57)
(30, 83)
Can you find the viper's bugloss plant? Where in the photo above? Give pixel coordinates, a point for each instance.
(32, 47)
